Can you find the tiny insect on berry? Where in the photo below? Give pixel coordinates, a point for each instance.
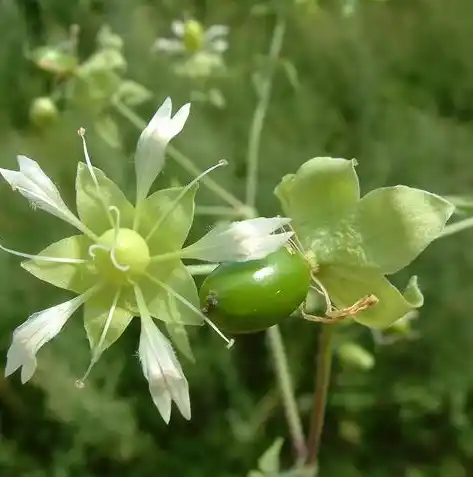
(246, 297)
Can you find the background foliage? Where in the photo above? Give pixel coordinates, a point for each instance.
(392, 85)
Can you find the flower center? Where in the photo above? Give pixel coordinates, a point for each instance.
(193, 35)
(121, 254)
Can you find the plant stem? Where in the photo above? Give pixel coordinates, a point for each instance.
(183, 160)
(457, 227)
(323, 366)
(287, 392)
(275, 342)
(264, 92)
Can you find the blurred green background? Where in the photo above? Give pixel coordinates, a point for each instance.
(392, 86)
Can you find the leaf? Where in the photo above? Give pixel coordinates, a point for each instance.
(346, 285)
(174, 228)
(397, 223)
(96, 315)
(92, 204)
(268, 463)
(107, 129)
(132, 93)
(70, 276)
(107, 39)
(322, 192)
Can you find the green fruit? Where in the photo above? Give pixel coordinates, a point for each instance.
(246, 297)
(43, 111)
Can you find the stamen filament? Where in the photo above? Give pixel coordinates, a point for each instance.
(95, 247)
(182, 194)
(81, 133)
(97, 352)
(40, 257)
(123, 268)
(189, 305)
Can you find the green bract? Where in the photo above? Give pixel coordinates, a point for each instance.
(252, 296)
(355, 241)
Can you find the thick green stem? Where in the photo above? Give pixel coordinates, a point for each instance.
(286, 387)
(323, 366)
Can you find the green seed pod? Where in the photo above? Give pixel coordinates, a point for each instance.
(43, 111)
(245, 297)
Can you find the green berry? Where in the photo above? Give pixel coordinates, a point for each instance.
(246, 297)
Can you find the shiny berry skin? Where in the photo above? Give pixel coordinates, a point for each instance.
(246, 297)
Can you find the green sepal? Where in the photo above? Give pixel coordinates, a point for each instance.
(92, 204)
(346, 285)
(396, 224)
(172, 232)
(175, 275)
(322, 192)
(77, 277)
(96, 314)
(182, 283)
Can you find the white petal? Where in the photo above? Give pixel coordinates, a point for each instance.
(213, 32)
(38, 188)
(149, 157)
(217, 46)
(30, 336)
(163, 371)
(178, 28)
(240, 241)
(168, 45)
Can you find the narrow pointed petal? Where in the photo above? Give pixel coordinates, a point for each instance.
(162, 370)
(168, 45)
(240, 241)
(149, 157)
(32, 183)
(35, 332)
(216, 31)
(178, 28)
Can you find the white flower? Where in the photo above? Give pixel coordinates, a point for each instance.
(149, 157)
(37, 187)
(30, 336)
(250, 239)
(191, 37)
(163, 371)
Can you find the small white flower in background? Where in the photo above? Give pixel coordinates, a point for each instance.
(191, 37)
(127, 261)
(198, 51)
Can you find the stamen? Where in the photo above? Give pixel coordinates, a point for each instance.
(191, 184)
(40, 257)
(123, 268)
(81, 133)
(230, 342)
(95, 247)
(97, 352)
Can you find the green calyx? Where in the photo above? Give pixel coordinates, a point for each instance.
(193, 35)
(125, 255)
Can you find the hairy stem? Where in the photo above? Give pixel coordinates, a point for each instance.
(283, 374)
(323, 366)
(264, 93)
